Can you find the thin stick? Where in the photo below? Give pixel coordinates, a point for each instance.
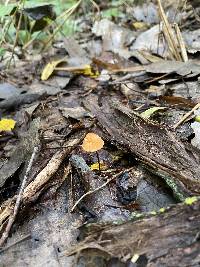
(36, 187)
(17, 34)
(68, 14)
(187, 115)
(98, 160)
(181, 43)
(16, 242)
(50, 24)
(96, 6)
(97, 189)
(167, 29)
(18, 201)
(78, 68)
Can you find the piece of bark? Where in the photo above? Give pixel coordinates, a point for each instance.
(154, 145)
(169, 239)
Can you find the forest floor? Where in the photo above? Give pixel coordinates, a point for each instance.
(100, 136)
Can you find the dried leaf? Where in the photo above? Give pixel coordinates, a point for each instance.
(92, 142)
(7, 125)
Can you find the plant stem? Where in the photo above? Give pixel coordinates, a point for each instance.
(98, 160)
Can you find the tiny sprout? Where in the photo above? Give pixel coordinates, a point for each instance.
(92, 143)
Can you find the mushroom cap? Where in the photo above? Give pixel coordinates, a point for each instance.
(92, 142)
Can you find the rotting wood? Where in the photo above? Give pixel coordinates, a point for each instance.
(177, 243)
(154, 145)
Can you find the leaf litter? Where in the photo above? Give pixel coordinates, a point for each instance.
(127, 87)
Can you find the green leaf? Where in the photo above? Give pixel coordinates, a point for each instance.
(111, 12)
(147, 113)
(6, 10)
(2, 51)
(197, 118)
(70, 27)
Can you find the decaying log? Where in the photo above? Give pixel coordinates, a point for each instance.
(152, 144)
(169, 238)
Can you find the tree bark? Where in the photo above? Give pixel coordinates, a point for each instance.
(169, 238)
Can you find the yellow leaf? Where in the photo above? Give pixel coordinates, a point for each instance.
(7, 125)
(88, 71)
(49, 69)
(138, 25)
(95, 166)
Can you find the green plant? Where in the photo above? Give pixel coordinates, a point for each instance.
(24, 22)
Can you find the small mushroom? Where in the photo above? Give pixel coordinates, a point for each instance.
(92, 143)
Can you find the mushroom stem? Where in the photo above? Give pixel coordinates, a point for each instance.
(98, 160)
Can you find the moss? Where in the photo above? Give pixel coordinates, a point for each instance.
(190, 200)
(162, 210)
(137, 215)
(178, 194)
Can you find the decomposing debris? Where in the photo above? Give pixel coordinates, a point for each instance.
(99, 133)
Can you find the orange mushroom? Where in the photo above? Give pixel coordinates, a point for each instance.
(92, 143)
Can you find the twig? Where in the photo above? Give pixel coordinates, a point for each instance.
(97, 189)
(35, 188)
(128, 69)
(18, 201)
(49, 170)
(16, 242)
(68, 14)
(96, 6)
(17, 33)
(186, 115)
(168, 32)
(181, 43)
(98, 160)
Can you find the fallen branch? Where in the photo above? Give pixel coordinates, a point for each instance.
(50, 169)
